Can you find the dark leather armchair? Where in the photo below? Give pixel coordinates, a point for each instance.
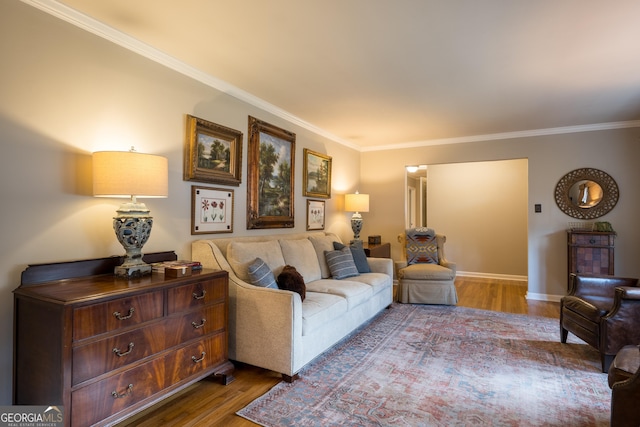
(604, 311)
(624, 380)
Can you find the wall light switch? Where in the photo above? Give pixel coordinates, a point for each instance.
(538, 207)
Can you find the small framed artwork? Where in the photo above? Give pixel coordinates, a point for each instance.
(212, 153)
(316, 174)
(211, 210)
(270, 176)
(315, 214)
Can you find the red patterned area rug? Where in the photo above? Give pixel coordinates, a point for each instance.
(420, 365)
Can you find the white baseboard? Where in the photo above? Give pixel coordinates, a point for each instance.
(543, 297)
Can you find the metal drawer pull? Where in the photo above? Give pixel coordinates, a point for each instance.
(119, 316)
(195, 360)
(116, 395)
(196, 326)
(196, 296)
(119, 354)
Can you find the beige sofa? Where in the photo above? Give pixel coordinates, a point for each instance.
(273, 328)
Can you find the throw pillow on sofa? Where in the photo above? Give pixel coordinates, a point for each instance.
(321, 244)
(261, 275)
(341, 263)
(359, 257)
(241, 254)
(291, 280)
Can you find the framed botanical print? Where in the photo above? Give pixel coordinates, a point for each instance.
(212, 153)
(211, 210)
(316, 173)
(270, 176)
(315, 214)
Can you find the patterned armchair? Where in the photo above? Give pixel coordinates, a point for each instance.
(425, 276)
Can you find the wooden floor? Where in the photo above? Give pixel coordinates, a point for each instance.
(208, 403)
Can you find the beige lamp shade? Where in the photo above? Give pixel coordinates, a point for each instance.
(129, 174)
(356, 202)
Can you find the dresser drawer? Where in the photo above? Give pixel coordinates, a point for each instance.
(195, 358)
(100, 357)
(198, 323)
(112, 315)
(195, 295)
(114, 394)
(592, 239)
(117, 351)
(102, 399)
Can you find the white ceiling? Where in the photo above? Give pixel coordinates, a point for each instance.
(376, 73)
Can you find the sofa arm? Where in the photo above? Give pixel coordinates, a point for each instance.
(628, 292)
(265, 327)
(450, 265)
(381, 265)
(620, 327)
(265, 324)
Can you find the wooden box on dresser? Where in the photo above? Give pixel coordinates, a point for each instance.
(106, 347)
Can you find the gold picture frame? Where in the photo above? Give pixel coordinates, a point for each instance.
(315, 214)
(211, 210)
(270, 176)
(212, 153)
(316, 173)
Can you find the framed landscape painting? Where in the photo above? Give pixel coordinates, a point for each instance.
(212, 153)
(316, 173)
(270, 180)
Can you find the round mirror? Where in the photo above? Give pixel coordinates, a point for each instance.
(586, 193)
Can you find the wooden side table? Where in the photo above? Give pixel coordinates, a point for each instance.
(590, 252)
(383, 250)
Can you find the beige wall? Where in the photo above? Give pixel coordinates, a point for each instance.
(65, 93)
(549, 158)
(482, 209)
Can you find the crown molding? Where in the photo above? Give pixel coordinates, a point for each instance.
(508, 135)
(100, 29)
(96, 27)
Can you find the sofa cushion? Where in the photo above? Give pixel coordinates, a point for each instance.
(421, 246)
(426, 272)
(321, 244)
(290, 280)
(261, 275)
(341, 263)
(354, 292)
(319, 309)
(301, 254)
(241, 254)
(359, 257)
(377, 281)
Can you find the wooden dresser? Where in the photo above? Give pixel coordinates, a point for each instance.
(590, 252)
(106, 347)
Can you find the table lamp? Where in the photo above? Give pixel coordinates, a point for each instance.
(132, 175)
(356, 203)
